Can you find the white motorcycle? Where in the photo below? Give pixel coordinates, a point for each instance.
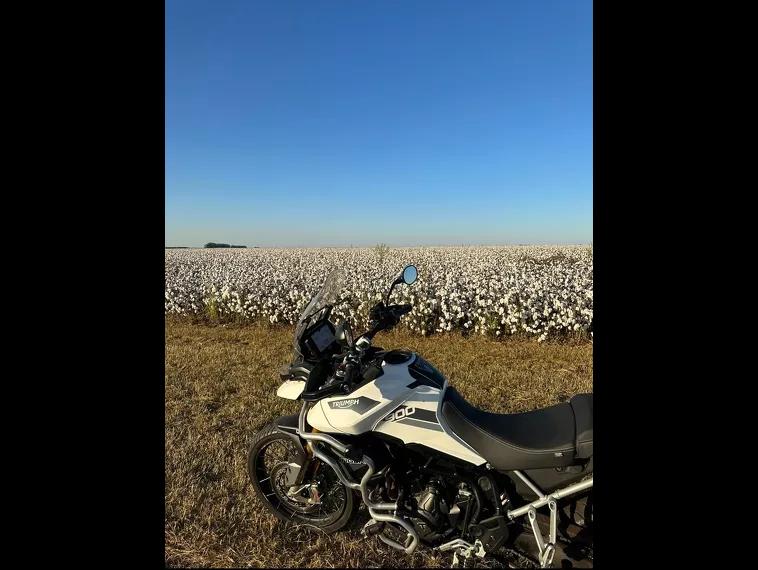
(431, 468)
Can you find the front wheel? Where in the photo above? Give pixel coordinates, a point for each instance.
(319, 500)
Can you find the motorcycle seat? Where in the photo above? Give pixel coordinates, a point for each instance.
(557, 436)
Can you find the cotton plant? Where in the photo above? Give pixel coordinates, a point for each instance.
(539, 291)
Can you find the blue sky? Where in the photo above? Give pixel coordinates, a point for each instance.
(337, 123)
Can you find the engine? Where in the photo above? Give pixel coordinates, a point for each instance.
(444, 504)
(443, 508)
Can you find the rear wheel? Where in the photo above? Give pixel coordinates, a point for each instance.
(319, 500)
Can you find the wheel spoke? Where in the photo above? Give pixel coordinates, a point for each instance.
(270, 467)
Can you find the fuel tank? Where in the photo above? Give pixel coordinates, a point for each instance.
(402, 402)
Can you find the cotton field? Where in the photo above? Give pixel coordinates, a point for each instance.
(538, 290)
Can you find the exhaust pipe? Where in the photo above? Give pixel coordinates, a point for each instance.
(405, 525)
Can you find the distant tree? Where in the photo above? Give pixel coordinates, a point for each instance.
(212, 244)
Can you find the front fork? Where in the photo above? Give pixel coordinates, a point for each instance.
(307, 448)
(307, 471)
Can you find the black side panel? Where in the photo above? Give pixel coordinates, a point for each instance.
(550, 480)
(288, 423)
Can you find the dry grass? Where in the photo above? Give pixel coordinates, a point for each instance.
(221, 388)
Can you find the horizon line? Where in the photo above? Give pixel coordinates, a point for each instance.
(245, 246)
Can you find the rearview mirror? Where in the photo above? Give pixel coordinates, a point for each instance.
(410, 273)
(408, 276)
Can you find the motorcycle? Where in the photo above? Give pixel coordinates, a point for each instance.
(386, 428)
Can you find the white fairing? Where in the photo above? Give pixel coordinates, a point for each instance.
(388, 405)
(291, 389)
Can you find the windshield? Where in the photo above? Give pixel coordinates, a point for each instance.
(327, 295)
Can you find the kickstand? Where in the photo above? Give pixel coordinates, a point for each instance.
(547, 551)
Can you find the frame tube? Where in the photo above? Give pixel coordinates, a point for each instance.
(541, 502)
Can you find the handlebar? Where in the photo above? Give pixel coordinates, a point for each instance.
(384, 318)
(401, 310)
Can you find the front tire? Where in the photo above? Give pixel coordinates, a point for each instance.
(324, 502)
